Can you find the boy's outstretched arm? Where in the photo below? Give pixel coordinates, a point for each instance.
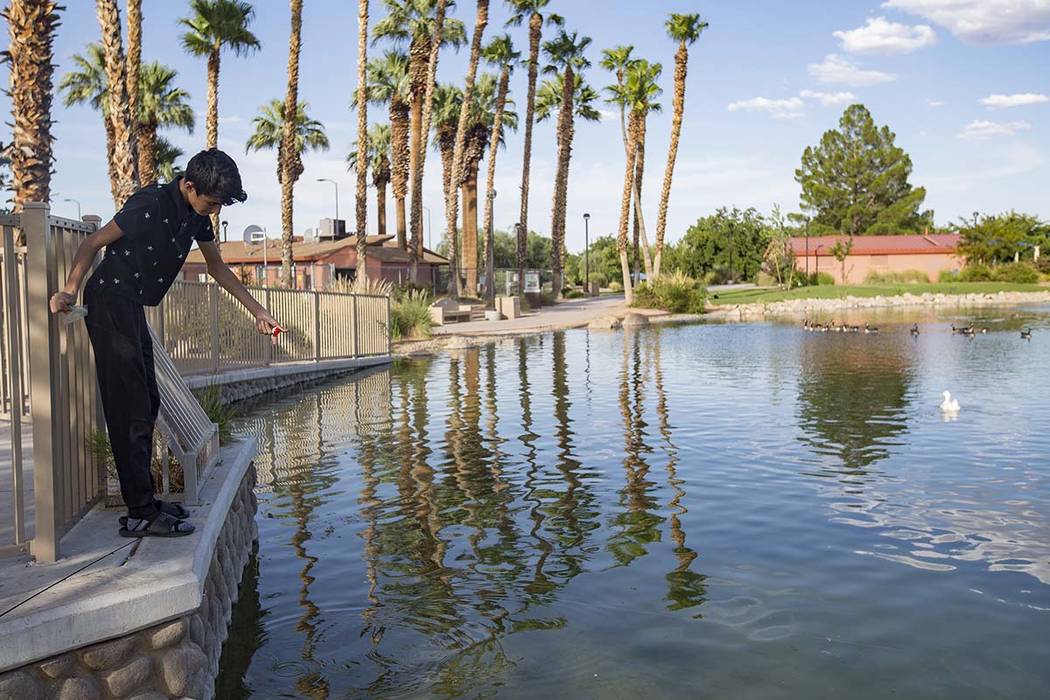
(264, 322)
(89, 247)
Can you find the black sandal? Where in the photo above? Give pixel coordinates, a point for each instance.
(163, 525)
(175, 510)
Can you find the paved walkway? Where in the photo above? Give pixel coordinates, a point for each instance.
(567, 314)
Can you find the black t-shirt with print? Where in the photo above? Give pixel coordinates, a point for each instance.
(159, 229)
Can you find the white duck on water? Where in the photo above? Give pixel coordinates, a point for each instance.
(949, 405)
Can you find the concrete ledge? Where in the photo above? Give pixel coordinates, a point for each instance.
(108, 586)
(289, 369)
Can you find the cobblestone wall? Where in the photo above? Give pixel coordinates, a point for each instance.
(176, 659)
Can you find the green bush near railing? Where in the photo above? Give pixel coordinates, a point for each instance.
(677, 293)
(410, 315)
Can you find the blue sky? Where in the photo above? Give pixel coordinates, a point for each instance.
(766, 80)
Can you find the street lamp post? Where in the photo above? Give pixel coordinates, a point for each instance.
(807, 251)
(224, 225)
(430, 239)
(67, 199)
(336, 185)
(587, 253)
(490, 256)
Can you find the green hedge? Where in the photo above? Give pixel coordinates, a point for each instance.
(676, 293)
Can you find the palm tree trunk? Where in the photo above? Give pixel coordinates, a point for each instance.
(535, 34)
(114, 180)
(31, 27)
(416, 251)
(561, 180)
(380, 207)
(125, 145)
(490, 187)
(133, 69)
(148, 153)
(625, 214)
(361, 213)
(681, 59)
(639, 220)
(286, 155)
(481, 20)
(470, 229)
(211, 121)
(400, 169)
(446, 146)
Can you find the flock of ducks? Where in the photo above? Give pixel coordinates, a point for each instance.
(831, 327)
(949, 406)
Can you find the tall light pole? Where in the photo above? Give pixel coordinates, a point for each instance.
(587, 253)
(67, 199)
(336, 184)
(430, 239)
(975, 215)
(490, 256)
(224, 225)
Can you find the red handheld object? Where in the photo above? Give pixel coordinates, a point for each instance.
(277, 330)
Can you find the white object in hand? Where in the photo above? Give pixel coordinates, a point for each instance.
(75, 313)
(949, 405)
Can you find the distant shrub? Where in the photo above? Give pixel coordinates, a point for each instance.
(975, 272)
(1017, 273)
(570, 293)
(719, 275)
(410, 315)
(677, 293)
(601, 279)
(948, 276)
(615, 286)
(764, 279)
(822, 279)
(903, 277)
(1043, 264)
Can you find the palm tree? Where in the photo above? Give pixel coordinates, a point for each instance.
(638, 93)
(500, 53)
(86, 84)
(269, 134)
(480, 128)
(165, 155)
(125, 144)
(361, 191)
(377, 159)
(388, 84)
(447, 101)
(565, 56)
(289, 165)
(533, 10)
(31, 24)
(616, 60)
(161, 104)
(134, 74)
(481, 20)
(685, 29)
(423, 27)
(216, 24)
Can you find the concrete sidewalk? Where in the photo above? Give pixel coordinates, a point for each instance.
(566, 314)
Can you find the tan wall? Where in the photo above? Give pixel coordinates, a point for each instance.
(858, 266)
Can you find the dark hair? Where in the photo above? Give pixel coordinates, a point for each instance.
(214, 174)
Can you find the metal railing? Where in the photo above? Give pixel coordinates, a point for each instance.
(205, 330)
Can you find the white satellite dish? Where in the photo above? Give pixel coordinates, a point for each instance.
(254, 234)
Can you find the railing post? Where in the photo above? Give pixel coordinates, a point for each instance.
(270, 345)
(317, 326)
(354, 325)
(389, 331)
(213, 317)
(14, 375)
(44, 393)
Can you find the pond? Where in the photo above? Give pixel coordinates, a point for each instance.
(738, 510)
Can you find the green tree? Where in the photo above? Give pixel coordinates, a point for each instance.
(734, 240)
(841, 250)
(999, 237)
(161, 104)
(856, 180)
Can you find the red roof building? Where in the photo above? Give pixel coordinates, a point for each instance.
(316, 262)
(930, 254)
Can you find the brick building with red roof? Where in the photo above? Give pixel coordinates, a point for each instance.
(928, 253)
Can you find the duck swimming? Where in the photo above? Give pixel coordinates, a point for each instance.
(949, 405)
(1026, 334)
(914, 330)
(870, 329)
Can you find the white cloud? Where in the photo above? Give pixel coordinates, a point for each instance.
(984, 129)
(1016, 100)
(930, 102)
(788, 108)
(829, 99)
(836, 69)
(607, 115)
(879, 35)
(985, 21)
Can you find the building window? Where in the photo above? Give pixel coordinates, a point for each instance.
(880, 261)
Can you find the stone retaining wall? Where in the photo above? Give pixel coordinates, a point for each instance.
(827, 306)
(176, 659)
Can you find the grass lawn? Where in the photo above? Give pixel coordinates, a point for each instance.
(765, 296)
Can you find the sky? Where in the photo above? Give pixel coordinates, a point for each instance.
(964, 84)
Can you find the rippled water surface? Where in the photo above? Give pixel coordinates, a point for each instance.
(745, 511)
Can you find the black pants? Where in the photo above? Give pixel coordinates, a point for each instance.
(130, 400)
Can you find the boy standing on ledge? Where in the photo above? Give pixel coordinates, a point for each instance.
(146, 244)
